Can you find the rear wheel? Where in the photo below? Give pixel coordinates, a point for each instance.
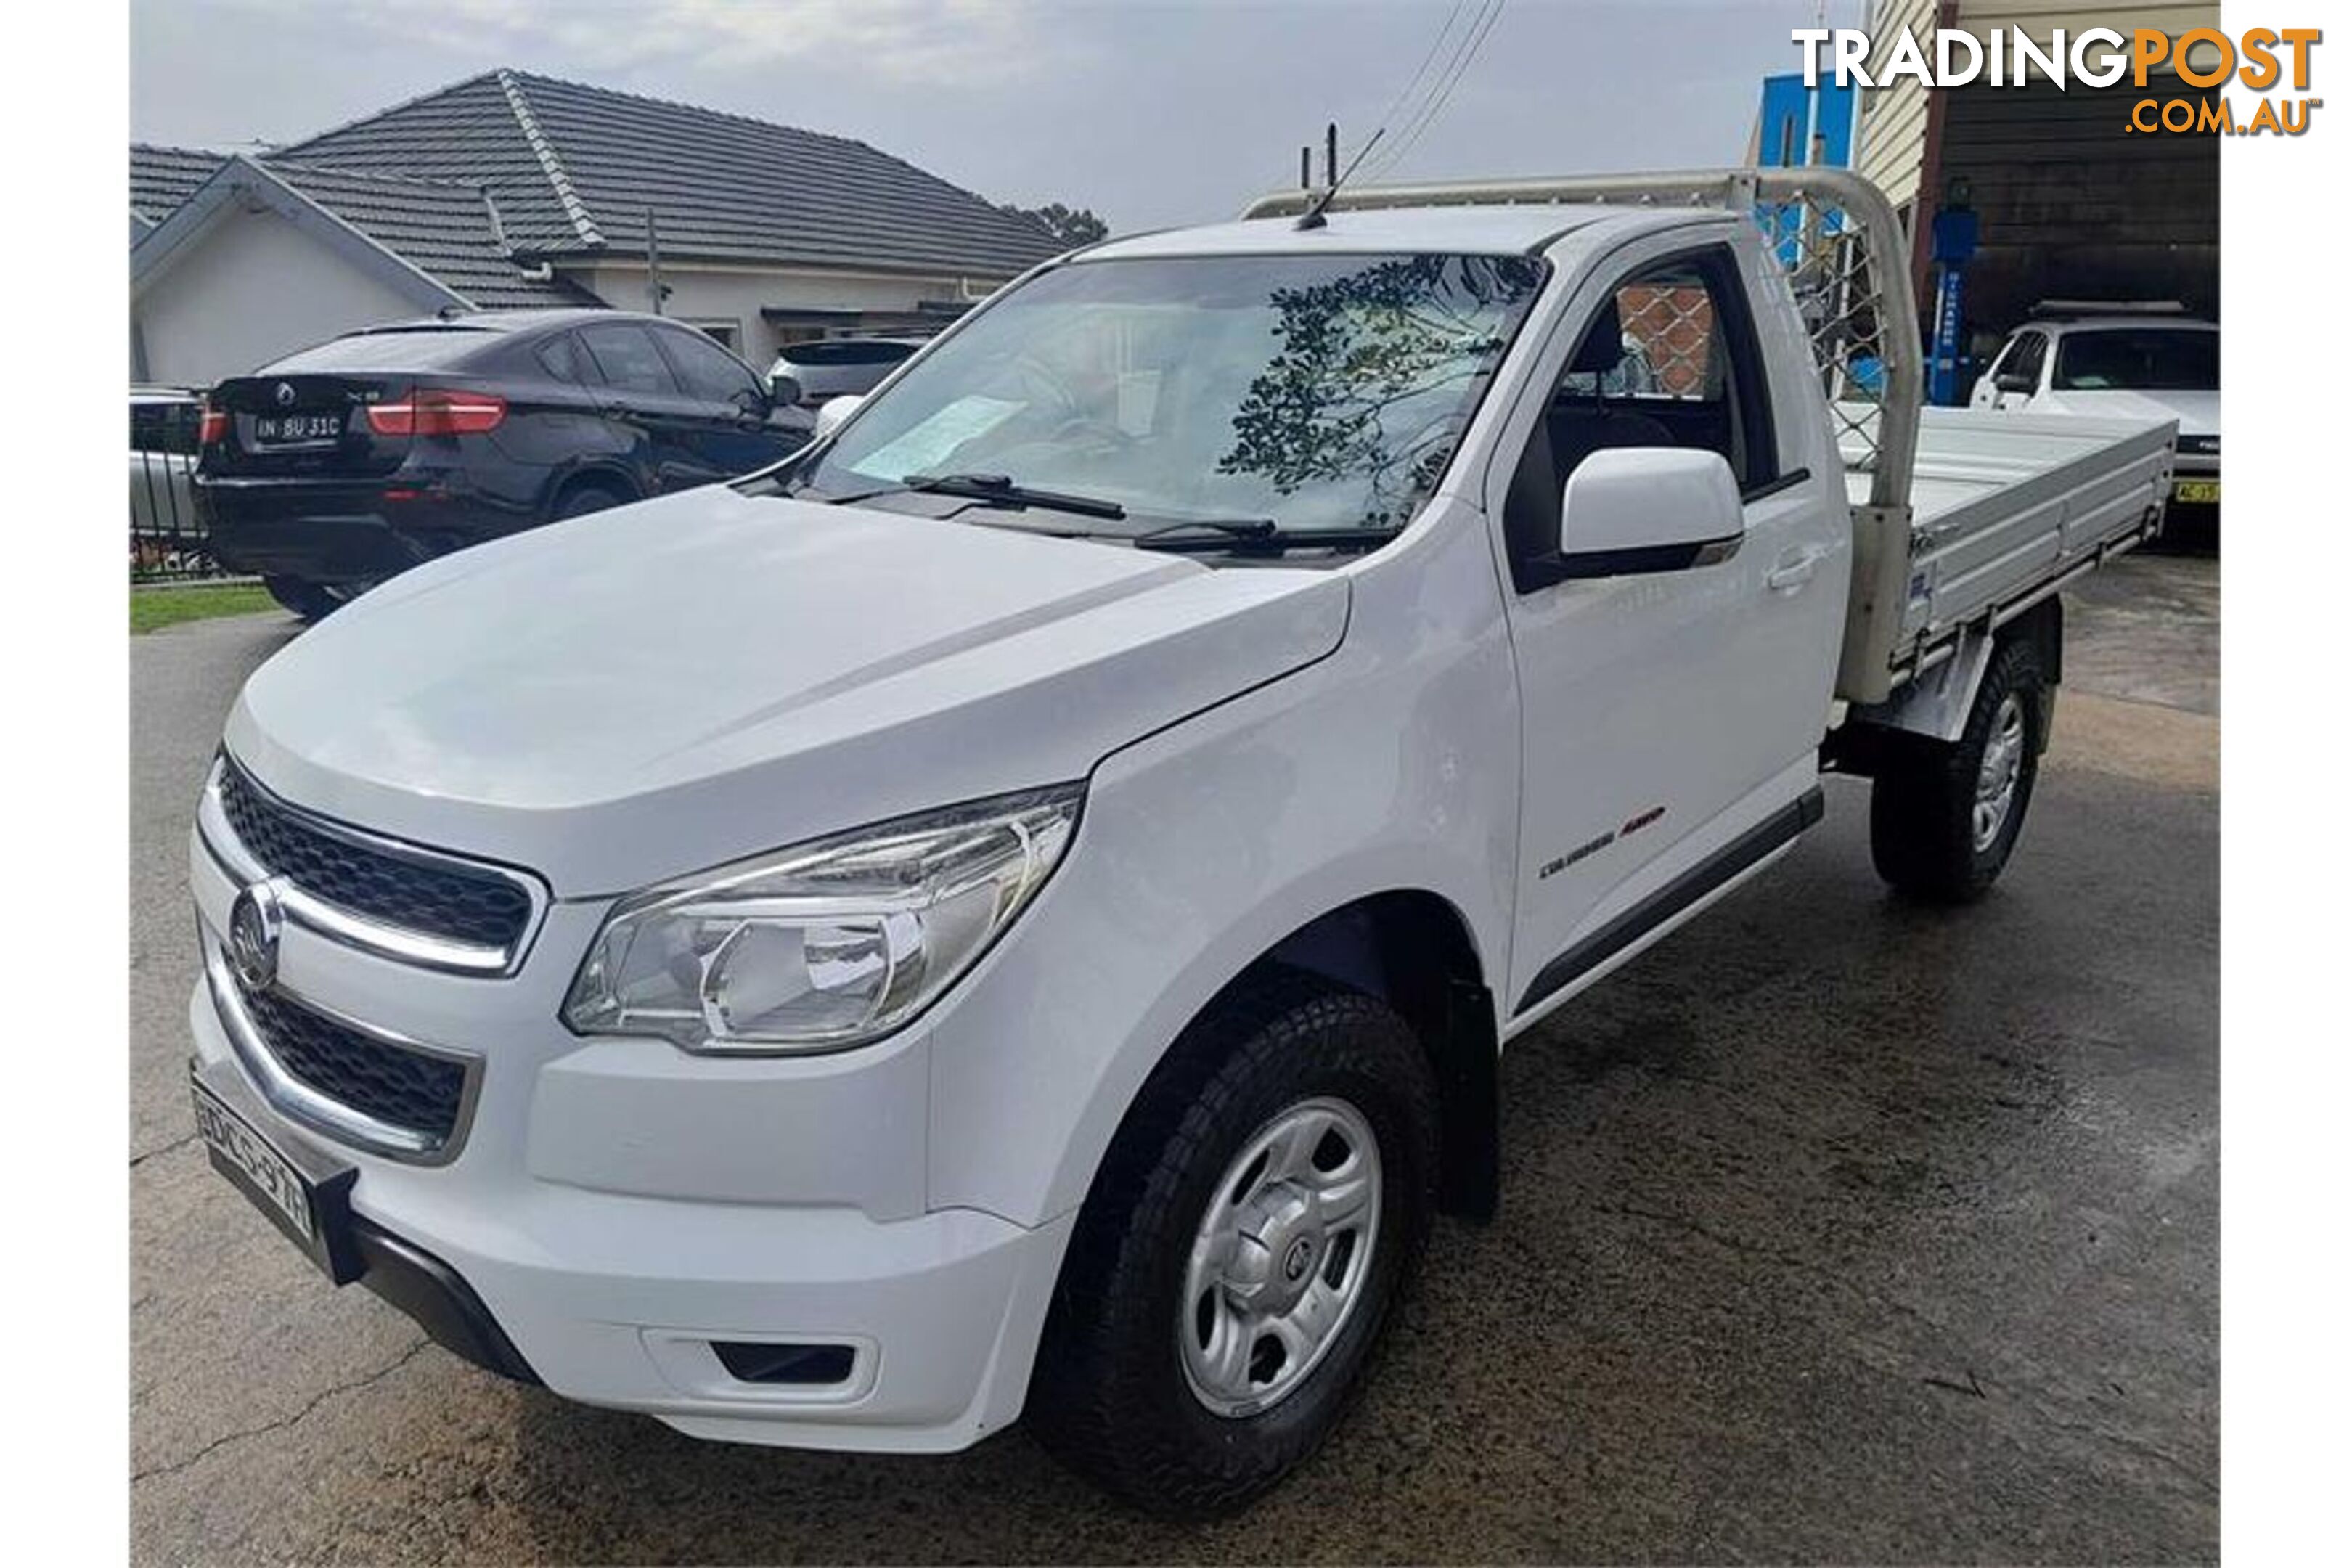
(1943, 819)
(1234, 1265)
(587, 496)
(310, 601)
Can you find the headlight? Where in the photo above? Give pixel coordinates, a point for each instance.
(826, 945)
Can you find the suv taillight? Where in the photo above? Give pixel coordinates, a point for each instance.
(212, 426)
(436, 411)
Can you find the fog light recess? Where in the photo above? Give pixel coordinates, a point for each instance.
(795, 1365)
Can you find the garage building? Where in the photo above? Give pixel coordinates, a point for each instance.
(2069, 204)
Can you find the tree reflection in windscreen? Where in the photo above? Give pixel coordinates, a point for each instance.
(1318, 392)
(1372, 379)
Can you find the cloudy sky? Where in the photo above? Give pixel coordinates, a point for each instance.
(1149, 113)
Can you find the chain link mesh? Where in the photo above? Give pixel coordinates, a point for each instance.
(1821, 244)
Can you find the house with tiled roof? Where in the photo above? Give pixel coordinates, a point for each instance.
(513, 190)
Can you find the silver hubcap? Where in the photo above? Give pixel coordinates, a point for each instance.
(1280, 1260)
(2004, 756)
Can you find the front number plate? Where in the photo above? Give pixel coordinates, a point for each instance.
(316, 1214)
(268, 1177)
(2196, 492)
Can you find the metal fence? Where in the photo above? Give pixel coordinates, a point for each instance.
(168, 538)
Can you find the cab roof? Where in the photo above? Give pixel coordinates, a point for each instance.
(1524, 229)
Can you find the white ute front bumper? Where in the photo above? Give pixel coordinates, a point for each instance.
(620, 1211)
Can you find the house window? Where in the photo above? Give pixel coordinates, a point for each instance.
(727, 335)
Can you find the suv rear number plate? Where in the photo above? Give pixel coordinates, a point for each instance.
(298, 428)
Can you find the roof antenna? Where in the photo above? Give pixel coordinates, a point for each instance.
(1313, 216)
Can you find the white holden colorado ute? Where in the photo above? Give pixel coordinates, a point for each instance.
(1013, 912)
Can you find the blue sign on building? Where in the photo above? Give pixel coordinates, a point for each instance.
(1794, 115)
(1796, 127)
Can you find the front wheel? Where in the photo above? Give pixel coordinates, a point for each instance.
(1235, 1262)
(1943, 818)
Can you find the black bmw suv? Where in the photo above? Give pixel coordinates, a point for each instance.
(337, 467)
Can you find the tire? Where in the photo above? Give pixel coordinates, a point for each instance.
(1116, 1395)
(310, 602)
(1928, 837)
(587, 496)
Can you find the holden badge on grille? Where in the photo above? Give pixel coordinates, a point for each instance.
(254, 922)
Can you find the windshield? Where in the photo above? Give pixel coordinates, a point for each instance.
(2141, 359)
(1310, 393)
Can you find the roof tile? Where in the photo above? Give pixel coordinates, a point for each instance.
(574, 170)
(162, 177)
(441, 227)
(720, 186)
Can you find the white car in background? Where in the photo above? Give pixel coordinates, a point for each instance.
(2120, 362)
(839, 367)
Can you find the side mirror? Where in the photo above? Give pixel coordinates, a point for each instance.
(2014, 380)
(784, 389)
(829, 417)
(1629, 509)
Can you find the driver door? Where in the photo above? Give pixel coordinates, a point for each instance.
(1665, 713)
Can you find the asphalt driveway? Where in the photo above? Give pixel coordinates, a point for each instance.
(1832, 1229)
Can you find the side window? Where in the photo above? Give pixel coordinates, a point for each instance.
(1666, 344)
(625, 353)
(706, 371)
(1669, 359)
(562, 357)
(2033, 348)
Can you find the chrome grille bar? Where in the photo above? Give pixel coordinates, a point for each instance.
(337, 922)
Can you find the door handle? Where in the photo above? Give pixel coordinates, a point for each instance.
(1792, 571)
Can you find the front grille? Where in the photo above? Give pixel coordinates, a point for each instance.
(404, 1088)
(448, 901)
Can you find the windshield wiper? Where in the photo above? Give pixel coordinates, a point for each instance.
(1000, 489)
(1255, 536)
(1186, 536)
